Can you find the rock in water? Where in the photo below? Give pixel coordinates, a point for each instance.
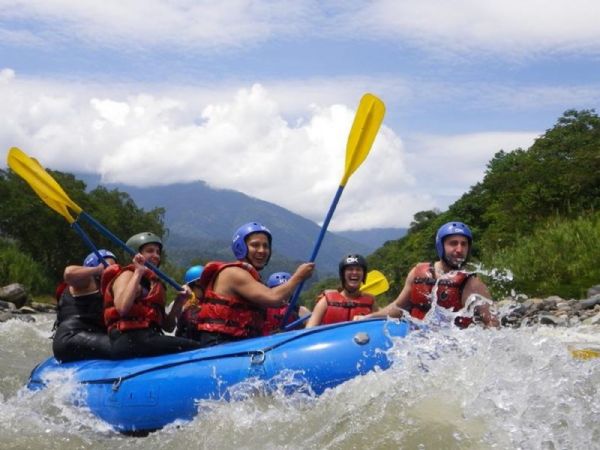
(14, 293)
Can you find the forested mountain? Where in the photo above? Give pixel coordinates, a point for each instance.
(374, 238)
(535, 216)
(202, 220)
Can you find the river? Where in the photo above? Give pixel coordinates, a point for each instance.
(472, 389)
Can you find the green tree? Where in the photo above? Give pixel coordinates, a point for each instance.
(45, 236)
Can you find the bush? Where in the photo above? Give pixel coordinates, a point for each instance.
(561, 257)
(18, 267)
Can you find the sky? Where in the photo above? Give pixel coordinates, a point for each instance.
(259, 95)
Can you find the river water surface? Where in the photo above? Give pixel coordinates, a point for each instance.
(471, 389)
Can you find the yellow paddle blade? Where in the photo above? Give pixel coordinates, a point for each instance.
(584, 353)
(362, 134)
(42, 183)
(375, 284)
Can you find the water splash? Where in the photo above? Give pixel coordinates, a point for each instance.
(449, 388)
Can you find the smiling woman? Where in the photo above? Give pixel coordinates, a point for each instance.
(349, 301)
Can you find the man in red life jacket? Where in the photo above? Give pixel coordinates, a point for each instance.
(234, 301)
(80, 331)
(134, 305)
(452, 285)
(344, 304)
(274, 315)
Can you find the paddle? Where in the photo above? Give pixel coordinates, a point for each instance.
(375, 284)
(367, 121)
(584, 354)
(51, 193)
(17, 159)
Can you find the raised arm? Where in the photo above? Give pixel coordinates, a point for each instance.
(400, 303)
(235, 280)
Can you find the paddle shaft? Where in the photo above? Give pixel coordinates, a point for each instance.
(316, 248)
(106, 232)
(88, 242)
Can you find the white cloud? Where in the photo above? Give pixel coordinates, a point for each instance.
(283, 145)
(448, 166)
(192, 23)
(510, 27)
(241, 143)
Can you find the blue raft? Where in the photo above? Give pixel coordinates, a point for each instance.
(145, 394)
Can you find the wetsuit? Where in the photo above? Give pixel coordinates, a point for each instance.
(80, 331)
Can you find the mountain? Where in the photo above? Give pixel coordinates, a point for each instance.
(375, 237)
(201, 221)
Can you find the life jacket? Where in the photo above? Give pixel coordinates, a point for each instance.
(60, 288)
(343, 309)
(188, 319)
(147, 311)
(85, 308)
(449, 292)
(229, 315)
(274, 317)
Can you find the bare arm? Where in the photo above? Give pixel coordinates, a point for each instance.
(126, 286)
(81, 277)
(176, 307)
(318, 312)
(237, 281)
(476, 286)
(397, 307)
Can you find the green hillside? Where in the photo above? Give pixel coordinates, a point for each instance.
(535, 217)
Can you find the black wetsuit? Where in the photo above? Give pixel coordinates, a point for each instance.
(80, 332)
(147, 342)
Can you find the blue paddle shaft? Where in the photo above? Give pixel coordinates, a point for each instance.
(295, 323)
(294, 299)
(89, 242)
(102, 229)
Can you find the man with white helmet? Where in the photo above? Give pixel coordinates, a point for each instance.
(453, 286)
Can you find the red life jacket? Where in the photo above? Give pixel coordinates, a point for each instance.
(147, 311)
(59, 290)
(273, 319)
(229, 315)
(343, 309)
(449, 292)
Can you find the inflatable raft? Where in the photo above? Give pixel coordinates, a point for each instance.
(145, 394)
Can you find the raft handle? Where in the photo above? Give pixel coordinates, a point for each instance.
(257, 358)
(117, 384)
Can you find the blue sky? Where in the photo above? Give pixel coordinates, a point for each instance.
(259, 96)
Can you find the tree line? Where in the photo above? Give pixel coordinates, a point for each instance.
(36, 243)
(535, 217)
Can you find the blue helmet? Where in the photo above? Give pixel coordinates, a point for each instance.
(238, 244)
(92, 259)
(193, 274)
(449, 229)
(278, 278)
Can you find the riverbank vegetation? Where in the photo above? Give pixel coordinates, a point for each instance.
(535, 216)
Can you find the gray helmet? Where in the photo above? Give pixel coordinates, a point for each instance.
(137, 241)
